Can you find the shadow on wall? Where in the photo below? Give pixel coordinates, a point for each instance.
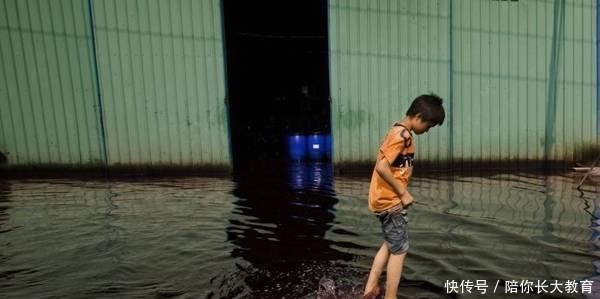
(3, 159)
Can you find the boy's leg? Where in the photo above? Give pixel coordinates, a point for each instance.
(378, 264)
(394, 272)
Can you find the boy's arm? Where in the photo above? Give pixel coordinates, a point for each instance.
(385, 172)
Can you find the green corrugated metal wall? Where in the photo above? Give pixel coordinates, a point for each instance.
(518, 78)
(383, 54)
(48, 112)
(161, 72)
(516, 86)
(526, 96)
(160, 68)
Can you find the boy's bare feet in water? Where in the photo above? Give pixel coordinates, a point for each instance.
(373, 294)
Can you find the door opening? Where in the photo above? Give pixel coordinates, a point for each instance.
(277, 74)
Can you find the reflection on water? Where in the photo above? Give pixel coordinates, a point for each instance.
(595, 245)
(284, 217)
(4, 203)
(274, 231)
(281, 216)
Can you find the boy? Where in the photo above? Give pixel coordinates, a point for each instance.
(388, 194)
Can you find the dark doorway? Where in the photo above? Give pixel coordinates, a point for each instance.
(277, 74)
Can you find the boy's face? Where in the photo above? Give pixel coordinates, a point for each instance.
(421, 126)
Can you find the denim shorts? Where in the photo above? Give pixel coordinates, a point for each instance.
(394, 225)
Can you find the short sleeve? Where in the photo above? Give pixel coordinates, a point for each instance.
(393, 145)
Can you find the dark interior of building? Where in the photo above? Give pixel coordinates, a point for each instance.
(277, 74)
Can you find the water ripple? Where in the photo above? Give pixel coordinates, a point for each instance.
(277, 233)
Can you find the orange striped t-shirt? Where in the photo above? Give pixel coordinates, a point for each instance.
(398, 148)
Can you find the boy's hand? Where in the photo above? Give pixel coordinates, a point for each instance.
(406, 199)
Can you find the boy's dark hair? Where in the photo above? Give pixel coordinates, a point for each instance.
(430, 107)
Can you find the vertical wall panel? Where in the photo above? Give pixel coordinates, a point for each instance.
(521, 76)
(161, 72)
(533, 105)
(574, 84)
(383, 55)
(47, 92)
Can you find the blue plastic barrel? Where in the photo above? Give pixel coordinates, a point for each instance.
(315, 146)
(328, 146)
(297, 146)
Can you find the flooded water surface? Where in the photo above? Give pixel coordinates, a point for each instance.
(278, 233)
